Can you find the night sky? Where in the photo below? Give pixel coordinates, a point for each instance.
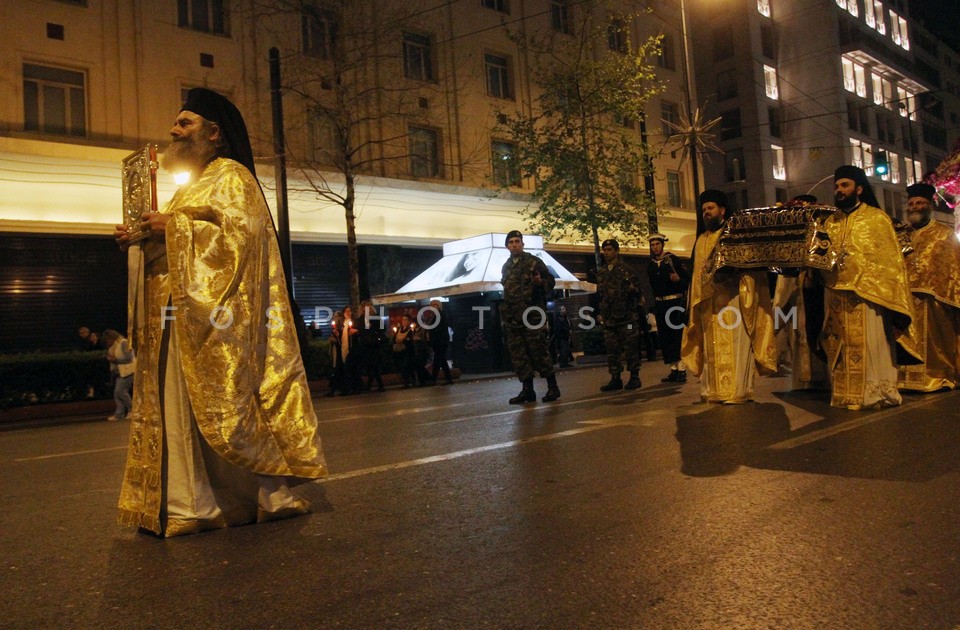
(941, 17)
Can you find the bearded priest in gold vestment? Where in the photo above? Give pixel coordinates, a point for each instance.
(222, 422)
(933, 269)
(868, 302)
(730, 332)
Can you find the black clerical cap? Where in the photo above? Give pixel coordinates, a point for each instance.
(512, 234)
(218, 109)
(921, 190)
(859, 177)
(716, 196)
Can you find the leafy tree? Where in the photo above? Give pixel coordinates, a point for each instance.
(580, 143)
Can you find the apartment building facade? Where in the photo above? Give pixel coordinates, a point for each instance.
(89, 81)
(803, 86)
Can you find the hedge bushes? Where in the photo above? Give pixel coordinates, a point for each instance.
(33, 378)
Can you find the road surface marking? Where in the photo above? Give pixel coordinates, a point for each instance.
(605, 423)
(813, 436)
(71, 454)
(521, 409)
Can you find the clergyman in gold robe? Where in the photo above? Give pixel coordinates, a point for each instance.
(222, 421)
(933, 269)
(867, 299)
(730, 332)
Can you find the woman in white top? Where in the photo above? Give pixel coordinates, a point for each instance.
(122, 366)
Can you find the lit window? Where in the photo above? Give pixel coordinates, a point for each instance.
(895, 27)
(877, 88)
(674, 198)
(770, 81)
(763, 6)
(856, 153)
(852, 7)
(505, 171)
(902, 102)
(913, 171)
(842, 4)
(849, 83)
(860, 76)
(868, 14)
(888, 94)
(904, 40)
(894, 161)
(779, 169)
(867, 158)
(54, 100)
(878, 11)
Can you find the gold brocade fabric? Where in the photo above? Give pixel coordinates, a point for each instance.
(934, 266)
(869, 261)
(235, 338)
(936, 330)
(708, 296)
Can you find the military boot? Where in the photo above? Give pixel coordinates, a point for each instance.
(672, 378)
(634, 382)
(553, 392)
(614, 384)
(526, 394)
(681, 376)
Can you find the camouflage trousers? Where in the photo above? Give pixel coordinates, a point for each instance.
(529, 351)
(622, 339)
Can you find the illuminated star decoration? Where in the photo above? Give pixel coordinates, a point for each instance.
(693, 134)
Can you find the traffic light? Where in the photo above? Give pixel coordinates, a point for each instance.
(880, 163)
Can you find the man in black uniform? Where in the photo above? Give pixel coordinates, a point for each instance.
(669, 278)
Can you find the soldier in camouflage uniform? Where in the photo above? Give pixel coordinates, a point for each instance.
(619, 292)
(526, 284)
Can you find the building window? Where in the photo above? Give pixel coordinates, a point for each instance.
(877, 85)
(674, 196)
(617, 35)
(669, 113)
(853, 7)
(730, 126)
(767, 43)
(849, 83)
(319, 27)
(667, 58)
(321, 138)
(775, 121)
(54, 100)
(860, 78)
(498, 76)
(560, 16)
(503, 6)
(726, 85)
(887, 93)
(878, 11)
(870, 15)
(734, 165)
(893, 160)
(209, 16)
(779, 169)
(417, 57)
(898, 30)
(722, 42)
(424, 152)
(770, 81)
(763, 6)
(505, 171)
(913, 171)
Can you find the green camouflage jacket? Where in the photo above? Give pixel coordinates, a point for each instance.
(619, 291)
(520, 291)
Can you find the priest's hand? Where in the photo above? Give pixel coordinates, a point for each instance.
(155, 223)
(121, 234)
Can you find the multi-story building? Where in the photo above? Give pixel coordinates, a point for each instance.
(89, 81)
(803, 86)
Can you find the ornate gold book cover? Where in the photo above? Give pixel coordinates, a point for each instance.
(139, 188)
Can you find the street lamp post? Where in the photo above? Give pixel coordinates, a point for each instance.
(688, 90)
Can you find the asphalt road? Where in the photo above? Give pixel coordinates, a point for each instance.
(448, 508)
